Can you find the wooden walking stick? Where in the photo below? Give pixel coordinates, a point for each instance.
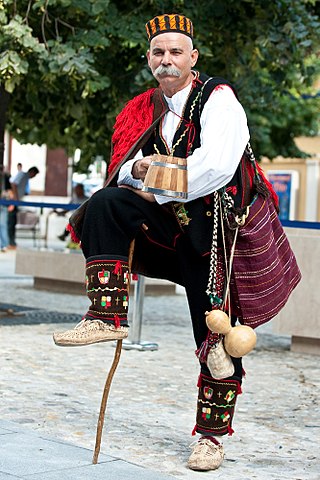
(104, 401)
(110, 377)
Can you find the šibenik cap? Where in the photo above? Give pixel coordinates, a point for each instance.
(169, 23)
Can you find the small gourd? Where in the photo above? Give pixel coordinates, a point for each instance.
(238, 340)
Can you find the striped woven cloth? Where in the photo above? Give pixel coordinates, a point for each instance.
(265, 270)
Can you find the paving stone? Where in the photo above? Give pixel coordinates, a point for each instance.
(4, 431)
(27, 454)
(5, 476)
(56, 392)
(116, 470)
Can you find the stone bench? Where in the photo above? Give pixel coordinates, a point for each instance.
(300, 318)
(28, 225)
(64, 271)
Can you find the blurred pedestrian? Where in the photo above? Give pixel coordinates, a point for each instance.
(78, 197)
(5, 194)
(19, 184)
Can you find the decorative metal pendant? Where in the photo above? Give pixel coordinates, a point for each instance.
(182, 214)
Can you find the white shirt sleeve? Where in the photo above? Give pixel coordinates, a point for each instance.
(223, 138)
(125, 176)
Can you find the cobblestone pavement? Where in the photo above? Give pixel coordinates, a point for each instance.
(151, 408)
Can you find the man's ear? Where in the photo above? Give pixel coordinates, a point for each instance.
(194, 56)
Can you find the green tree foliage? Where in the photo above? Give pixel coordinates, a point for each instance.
(70, 65)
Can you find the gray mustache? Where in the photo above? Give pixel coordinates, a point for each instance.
(163, 70)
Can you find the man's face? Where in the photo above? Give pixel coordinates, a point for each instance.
(171, 58)
(32, 174)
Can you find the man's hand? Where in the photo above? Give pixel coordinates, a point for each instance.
(140, 168)
(145, 195)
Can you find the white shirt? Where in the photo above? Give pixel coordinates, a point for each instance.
(223, 138)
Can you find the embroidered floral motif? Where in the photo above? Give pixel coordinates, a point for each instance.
(207, 392)
(230, 396)
(225, 417)
(105, 301)
(206, 413)
(125, 301)
(104, 276)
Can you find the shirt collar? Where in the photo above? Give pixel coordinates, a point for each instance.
(178, 100)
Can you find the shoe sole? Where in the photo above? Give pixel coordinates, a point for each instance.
(66, 343)
(206, 469)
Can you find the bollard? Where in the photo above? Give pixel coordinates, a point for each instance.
(136, 327)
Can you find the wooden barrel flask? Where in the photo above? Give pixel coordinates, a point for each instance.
(167, 175)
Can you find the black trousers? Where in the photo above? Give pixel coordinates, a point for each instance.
(115, 216)
(12, 221)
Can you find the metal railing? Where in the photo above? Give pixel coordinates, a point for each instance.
(135, 342)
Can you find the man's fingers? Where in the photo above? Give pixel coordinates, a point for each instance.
(140, 168)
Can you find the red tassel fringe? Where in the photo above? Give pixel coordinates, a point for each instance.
(117, 321)
(73, 235)
(230, 431)
(194, 431)
(269, 185)
(117, 268)
(130, 124)
(265, 180)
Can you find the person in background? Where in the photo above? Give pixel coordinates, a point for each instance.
(19, 184)
(5, 194)
(78, 197)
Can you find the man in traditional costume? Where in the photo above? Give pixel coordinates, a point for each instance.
(192, 116)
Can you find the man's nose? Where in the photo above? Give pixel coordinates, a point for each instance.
(166, 59)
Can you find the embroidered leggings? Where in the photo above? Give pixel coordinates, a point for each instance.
(115, 216)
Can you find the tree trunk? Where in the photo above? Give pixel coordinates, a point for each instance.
(4, 102)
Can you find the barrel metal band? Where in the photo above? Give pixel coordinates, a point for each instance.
(167, 193)
(169, 165)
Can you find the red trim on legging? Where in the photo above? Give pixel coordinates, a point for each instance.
(106, 260)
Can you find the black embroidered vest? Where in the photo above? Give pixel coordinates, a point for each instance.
(185, 141)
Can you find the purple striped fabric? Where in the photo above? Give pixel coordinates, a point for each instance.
(265, 270)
